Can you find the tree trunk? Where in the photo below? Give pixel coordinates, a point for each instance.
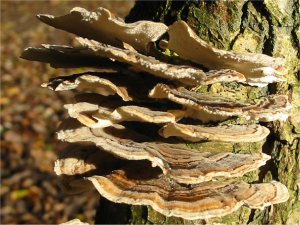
(267, 27)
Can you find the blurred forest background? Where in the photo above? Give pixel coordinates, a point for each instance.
(30, 115)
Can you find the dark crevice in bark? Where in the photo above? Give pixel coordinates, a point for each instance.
(251, 216)
(295, 40)
(272, 88)
(144, 214)
(160, 11)
(268, 44)
(184, 11)
(175, 13)
(270, 165)
(153, 12)
(165, 9)
(242, 28)
(106, 209)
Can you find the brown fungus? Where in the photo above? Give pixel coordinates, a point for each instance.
(185, 182)
(85, 160)
(233, 133)
(274, 107)
(197, 201)
(259, 69)
(104, 27)
(104, 85)
(187, 75)
(178, 161)
(200, 201)
(93, 55)
(62, 56)
(94, 116)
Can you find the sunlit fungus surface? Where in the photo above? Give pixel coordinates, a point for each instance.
(142, 108)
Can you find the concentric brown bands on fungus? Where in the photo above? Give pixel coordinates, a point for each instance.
(98, 55)
(199, 201)
(105, 85)
(185, 74)
(231, 133)
(274, 107)
(178, 161)
(122, 49)
(92, 115)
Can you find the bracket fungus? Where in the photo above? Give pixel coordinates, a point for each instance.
(104, 85)
(104, 116)
(105, 27)
(198, 201)
(259, 69)
(201, 201)
(128, 85)
(234, 133)
(178, 161)
(186, 75)
(273, 107)
(62, 56)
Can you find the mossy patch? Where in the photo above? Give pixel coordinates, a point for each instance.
(254, 32)
(137, 214)
(237, 92)
(283, 47)
(174, 220)
(247, 42)
(248, 147)
(217, 22)
(213, 147)
(155, 217)
(295, 111)
(293, 217)
(280, 12)
(239, 217)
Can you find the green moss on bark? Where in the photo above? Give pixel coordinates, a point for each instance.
(254, 31)
(138, 214)
(217, 22)
(281, 13)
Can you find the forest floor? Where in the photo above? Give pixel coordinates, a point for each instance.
(30, 115)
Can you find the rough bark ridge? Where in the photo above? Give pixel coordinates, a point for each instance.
(267, 27)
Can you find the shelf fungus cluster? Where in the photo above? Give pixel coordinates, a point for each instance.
(136, 109)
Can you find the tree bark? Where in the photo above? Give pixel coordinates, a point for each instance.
(270, 27)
